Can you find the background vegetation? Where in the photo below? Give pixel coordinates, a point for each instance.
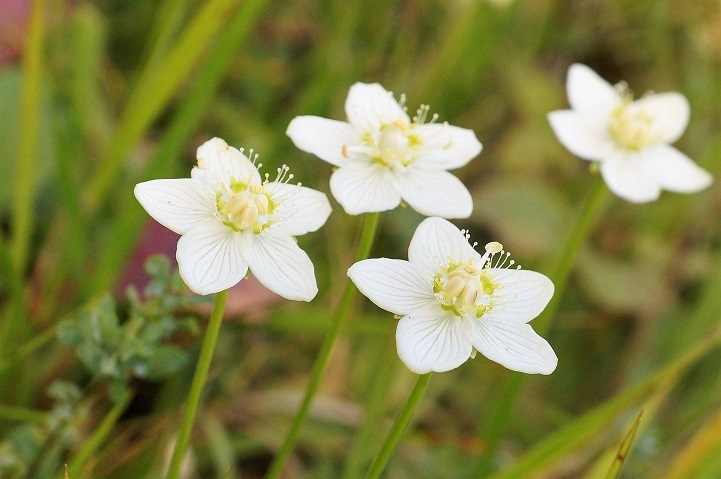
(96, 96)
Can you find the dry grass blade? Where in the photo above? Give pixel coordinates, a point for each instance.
(615, 469)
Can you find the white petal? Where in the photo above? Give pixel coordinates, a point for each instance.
(669, 114)
(369, 106)
(432, 340)
(515, 346)
(584, 135)
(589, 93)
(445, 147)
(434, 193)
(364, 188)
(523, 295)
(178, 204)
(219, 163)
(631, 178)
(210, 258)
(322, 137)
(436, 242)
(393, 284)
(301, 209)
(280, 265)
(676, 171)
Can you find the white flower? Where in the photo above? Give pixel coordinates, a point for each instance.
(383, 156)
(232, 220)
(454, 302)
(629, 138)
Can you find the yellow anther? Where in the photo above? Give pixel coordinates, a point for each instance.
(262, 203)
(454, 287)
(249, 215)
(469, 295)
(237, 204)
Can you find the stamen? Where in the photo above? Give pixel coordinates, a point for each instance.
(494, 247)
(402, 102)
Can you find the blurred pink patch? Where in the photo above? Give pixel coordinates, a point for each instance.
(248, 297)
(13, 22)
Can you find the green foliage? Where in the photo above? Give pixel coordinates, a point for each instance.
(37, 449)
(136, 347)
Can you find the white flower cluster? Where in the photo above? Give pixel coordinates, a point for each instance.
(453, 301)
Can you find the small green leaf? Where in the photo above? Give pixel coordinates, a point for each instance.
(69, 332)
(165, 361)
(158, 267)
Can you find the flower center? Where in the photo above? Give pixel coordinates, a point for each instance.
(465, 288)
(245, 207)
(394, 146)
(630, 127)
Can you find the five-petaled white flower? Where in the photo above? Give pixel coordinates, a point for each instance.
(629, 138)
(383, 156)
(454, 302)
(231, 220)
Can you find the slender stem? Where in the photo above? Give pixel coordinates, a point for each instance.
(502, 411)
(399, 426)
(10, 413)
(377, 384)
(27, 349)
(573, 244)
(196, 388)
(370, 224)
(101, 432)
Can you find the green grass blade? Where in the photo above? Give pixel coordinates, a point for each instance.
(220, 445)
(155, 91)
(169, 19)
(578, 432)
(699, 450)
(502, 411)
(615, 470)
(25, 166)
(16, 325)
(87, 43)
(101, 432)
(125, 230)
(10, 413)
(27, 349)
(12, 280)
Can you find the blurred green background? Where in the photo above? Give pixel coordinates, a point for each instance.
(98, 96)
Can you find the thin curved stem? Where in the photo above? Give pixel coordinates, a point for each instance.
(508, 396)
(378, 384)
(399, 426)
(101, 433)
(566, 260)
(370, 224)
(196, 388)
